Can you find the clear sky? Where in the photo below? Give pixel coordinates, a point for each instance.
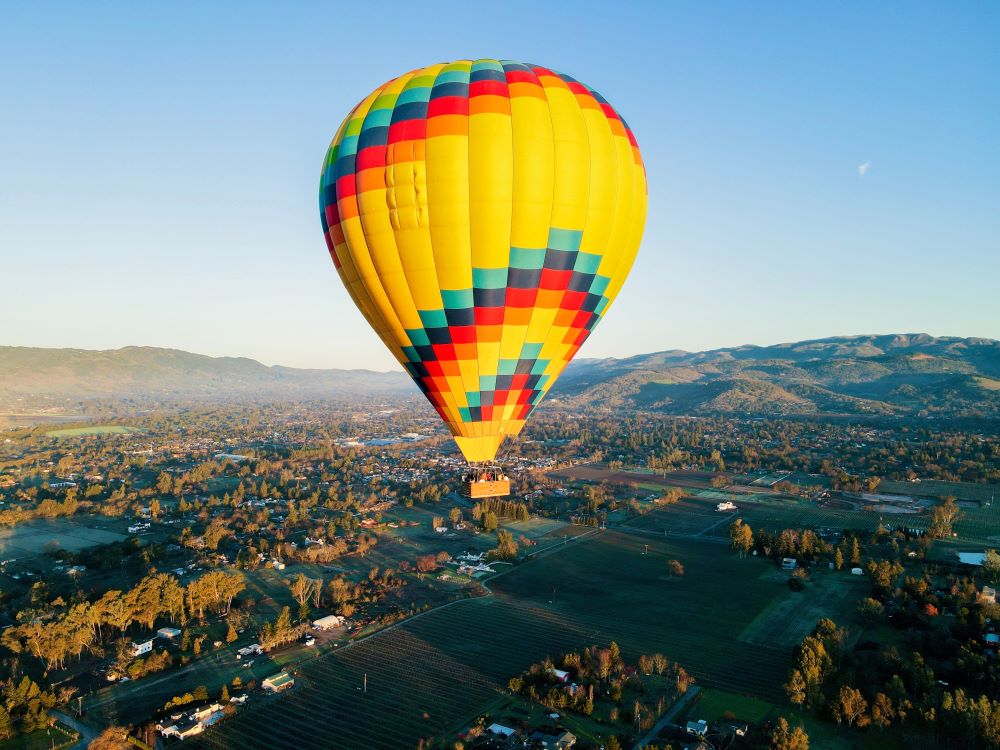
(814, 169)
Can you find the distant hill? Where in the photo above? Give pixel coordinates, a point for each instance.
(149, 372)
(904, 374)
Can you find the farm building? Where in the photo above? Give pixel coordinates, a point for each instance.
(168, 633)
(561, 741)
(500, 729)
(789, 563)
(278, 682)
(328, 623)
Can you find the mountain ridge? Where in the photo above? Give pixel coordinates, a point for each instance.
(910, 374)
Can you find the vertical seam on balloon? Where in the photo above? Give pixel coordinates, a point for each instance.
(548, 332)
(477, 425)
(445, 394)
(531, 67)
(614, 150)
(502, 423)
(527, 327)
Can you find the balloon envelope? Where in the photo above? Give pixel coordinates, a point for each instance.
(483, 215)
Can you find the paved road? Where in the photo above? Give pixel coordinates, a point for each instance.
(667, 717)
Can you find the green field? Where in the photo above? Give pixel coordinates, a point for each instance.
(99, 429)
(431, 674)
(57, 736)
(713, 704)
(37, 537)
(691, 515)
(535, 528)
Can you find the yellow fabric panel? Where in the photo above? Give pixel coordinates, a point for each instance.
(491, 175)
(636, 222)
(623, 213)
(572, 171)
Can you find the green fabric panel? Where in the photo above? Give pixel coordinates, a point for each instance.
(526, 258)
(565, 239)
(489, 278)
(433, 318)
(456, 299)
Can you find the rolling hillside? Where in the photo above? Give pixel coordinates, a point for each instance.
(135, 372)
(906, 374)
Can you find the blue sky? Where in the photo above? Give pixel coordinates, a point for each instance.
(159, 166)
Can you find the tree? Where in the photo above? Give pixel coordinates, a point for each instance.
(224, 695)
(871, 611)
(838, 559)
(675, 568)
(784, 737)
(112, 738)
(741, 537)
(302, 588)
(850, 706)
(883, 712)
(489, 521)
(231, 634)
(943, 517)
(506, 548)
(796, 688)
(991, 566)
(455, 515)
(855, 551)
(6, 725)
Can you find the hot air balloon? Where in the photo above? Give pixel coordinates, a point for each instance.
(483, 215)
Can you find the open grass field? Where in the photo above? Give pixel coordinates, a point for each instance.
(791, 616)
(433, 673)
(713, 703)
(690, 515)
(534, 528)
(57, 736)
(36, 537)
(97, 429)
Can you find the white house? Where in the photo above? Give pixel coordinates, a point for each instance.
(138, 649)
(500, 730)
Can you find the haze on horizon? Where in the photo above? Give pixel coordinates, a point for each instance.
(813, 170)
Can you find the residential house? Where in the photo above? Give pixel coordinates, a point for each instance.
(561, 741)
